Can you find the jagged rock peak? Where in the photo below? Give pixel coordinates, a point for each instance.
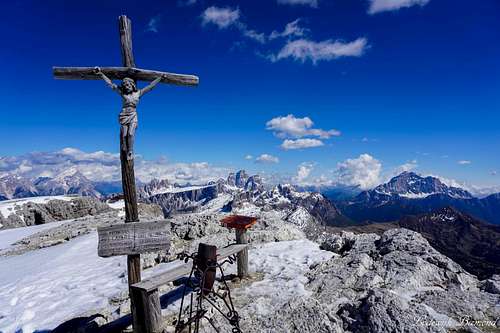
(241, 178)
(231, 179)
(254, 183)
(155, 186)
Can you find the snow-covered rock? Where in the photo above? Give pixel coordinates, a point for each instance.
(39, 210)
(183, 199)
(70, 181)
(287, 199)
(398, 283)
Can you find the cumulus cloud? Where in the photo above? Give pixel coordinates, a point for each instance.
(290, 126)
(293, 130)
(377, 6)
(292, 29)
(303, 172)
(104, 166)
(222, 17)
(312, 3)
(363, 171)
(475, 190)
(409, 166)
(266, 158)
(301, 144)
(248, 157)
(464, 162)
(305, 49)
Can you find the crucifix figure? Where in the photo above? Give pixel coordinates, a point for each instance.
(128, 116)
(129, 75)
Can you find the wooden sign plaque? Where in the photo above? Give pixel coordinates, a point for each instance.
(133, 238)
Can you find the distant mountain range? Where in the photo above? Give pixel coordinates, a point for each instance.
(405, 194)
(451, 218)
(411, 194)
(70, 181)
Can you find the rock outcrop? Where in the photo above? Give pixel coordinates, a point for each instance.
(392, 283)
(397, 283)
(30, 213)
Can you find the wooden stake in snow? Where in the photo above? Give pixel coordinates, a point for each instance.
(129, 75)
(241, 224)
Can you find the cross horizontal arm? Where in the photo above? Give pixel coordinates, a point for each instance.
(119, 73)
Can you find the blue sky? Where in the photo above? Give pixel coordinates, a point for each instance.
(410, 83)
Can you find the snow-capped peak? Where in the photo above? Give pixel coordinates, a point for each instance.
(411, 185)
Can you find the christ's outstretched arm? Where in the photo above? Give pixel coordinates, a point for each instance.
(106, 79)
(150, 86)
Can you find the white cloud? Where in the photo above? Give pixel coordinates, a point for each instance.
(363, 171)
(293, 130)
(292, 29)
(293, 127)
(475, 190)
(377, 6)
(225, 17)
(103, 166)
(304, 49)
(464, 162)
(303, 172)
(153, 24)
(312, 3)
(301, 144)
(409, 166)
(266, 158)
(222, 17)
(248, 157)
(252, 34)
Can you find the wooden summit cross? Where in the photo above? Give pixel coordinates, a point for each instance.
(129, 75)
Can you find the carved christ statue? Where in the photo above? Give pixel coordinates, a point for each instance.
(128, 116)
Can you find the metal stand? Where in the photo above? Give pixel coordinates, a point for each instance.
(200, 282)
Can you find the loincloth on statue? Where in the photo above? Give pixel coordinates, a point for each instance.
(128, 116)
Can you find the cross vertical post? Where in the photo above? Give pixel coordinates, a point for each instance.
(128, 174)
